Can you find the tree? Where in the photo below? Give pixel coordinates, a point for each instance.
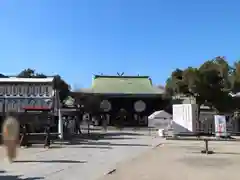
(175, 84)
(62, 87)
(235, 82)
(209, 84)
(27, 73)
(225, 71)
(30, 73)
(40, 75)
(3, 76)
(89, 103)
(236, 77)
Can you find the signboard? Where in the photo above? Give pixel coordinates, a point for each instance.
(220, 125)
(185, 118)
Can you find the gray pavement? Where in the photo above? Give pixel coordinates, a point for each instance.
(87, 160)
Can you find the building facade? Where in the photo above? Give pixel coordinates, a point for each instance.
(18, 95)
(134, 97)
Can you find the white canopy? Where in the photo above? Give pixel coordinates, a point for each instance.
(160, 119)
(160, 114)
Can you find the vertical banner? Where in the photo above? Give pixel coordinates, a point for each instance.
(220, 125)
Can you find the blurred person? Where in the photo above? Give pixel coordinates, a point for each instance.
(10, 135)
(78, 125)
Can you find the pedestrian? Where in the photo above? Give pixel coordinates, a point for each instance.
(24, 140)
(10, 135)
(104, 122)
(47, 138)
(78, 126)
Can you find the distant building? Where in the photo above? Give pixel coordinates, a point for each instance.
(136, 95)
(20, 94)
(17, 93)
(183, 99)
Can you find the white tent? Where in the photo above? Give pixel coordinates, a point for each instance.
(160, 119)
(234, 95)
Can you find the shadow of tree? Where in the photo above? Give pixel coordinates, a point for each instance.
(95, 147)
(16, 177)
(122, 134)
(225, 153)
(37, 146)
(116, 138)
(49, 161)
(10, 177)
(114, 144)
(228, 153)
(105, 135)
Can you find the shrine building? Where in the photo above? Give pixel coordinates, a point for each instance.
(135, 94)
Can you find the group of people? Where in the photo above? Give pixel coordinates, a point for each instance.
(71, 125)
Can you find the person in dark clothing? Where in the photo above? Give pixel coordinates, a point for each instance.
(77, 126)
(47, 138)
(104, 121)
(122, 116)
(24, 130)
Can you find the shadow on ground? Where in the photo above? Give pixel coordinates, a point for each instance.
(95, 147)
(122, 134)
(114, 144)
(4, 176)
(92, 139)
(50, 161)
(106, 144)
(37, 146)
(220, 153)
(227, 153)
(105, 135)
(117, 138)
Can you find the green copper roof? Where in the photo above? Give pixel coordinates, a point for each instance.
(124, 85)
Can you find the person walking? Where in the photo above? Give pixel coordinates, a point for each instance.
(10, 135)
(78, 125)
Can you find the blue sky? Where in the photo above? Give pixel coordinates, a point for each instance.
(80, 38)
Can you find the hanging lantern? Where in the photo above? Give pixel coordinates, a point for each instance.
(105, 106)
(139, 106)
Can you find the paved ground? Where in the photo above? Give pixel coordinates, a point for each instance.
(88, 160)
(181, 160)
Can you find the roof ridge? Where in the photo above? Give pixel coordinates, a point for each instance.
(116, 76)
